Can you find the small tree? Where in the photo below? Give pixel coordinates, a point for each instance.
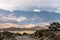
(54, 26)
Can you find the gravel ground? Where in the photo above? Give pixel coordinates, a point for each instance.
(24, 38)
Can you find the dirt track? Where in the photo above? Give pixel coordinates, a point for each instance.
(24, 38)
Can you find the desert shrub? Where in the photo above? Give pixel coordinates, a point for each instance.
(25, 33)
(50, 33)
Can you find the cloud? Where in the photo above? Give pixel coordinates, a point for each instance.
(45, 24)
(36, 10)
(12, 17)
(29, 5)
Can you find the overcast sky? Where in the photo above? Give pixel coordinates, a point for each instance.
(29, 5)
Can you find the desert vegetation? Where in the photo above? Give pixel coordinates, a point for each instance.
(8, 35)
(5, 35)
(53, 33)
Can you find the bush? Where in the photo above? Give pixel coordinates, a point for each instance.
(25, 33)
(50, 33)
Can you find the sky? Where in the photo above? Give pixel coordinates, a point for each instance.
(29, 5)
(29, 11)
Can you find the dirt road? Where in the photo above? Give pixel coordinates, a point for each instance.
(24, 38)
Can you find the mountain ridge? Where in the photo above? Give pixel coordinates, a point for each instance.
(31, 17)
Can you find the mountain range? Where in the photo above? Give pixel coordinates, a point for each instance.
(22, 18)
(16, 27)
